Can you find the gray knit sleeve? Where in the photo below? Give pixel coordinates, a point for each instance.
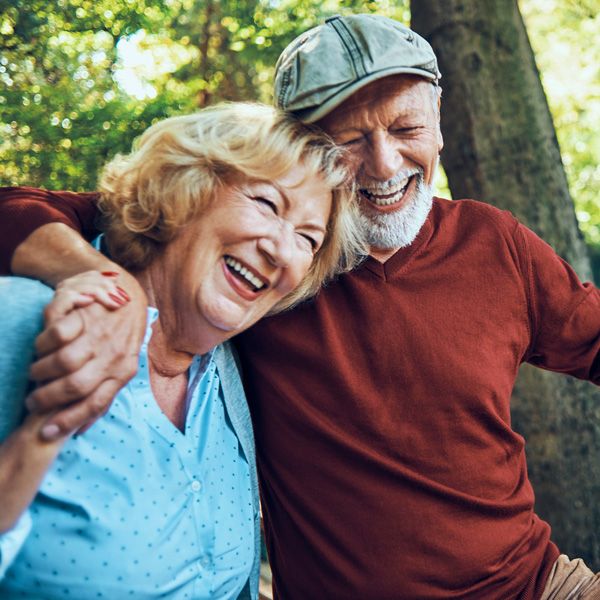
(21, 304)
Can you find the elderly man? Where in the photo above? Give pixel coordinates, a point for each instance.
(388, 465)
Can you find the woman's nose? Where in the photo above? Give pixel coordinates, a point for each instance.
(278, 245)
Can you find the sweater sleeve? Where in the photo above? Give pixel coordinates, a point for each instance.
(25, 209)
(21, 319)
(565, 313)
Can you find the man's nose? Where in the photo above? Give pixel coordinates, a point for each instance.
(278, 244)
(384, 159)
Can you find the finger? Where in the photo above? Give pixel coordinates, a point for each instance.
(64, 302)
(63, 361)
(36, 423)
(65, 390)
(101, 286)
(80, 416)
(59, 333)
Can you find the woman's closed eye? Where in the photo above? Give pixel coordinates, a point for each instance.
(309, 241)
(267, 203)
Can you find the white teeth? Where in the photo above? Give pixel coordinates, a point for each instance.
(384, 201)
(387, 200)
(245, 273)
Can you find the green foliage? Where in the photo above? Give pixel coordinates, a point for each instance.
(66, 68)
(564, 36)
(61, 113)
(80, 79)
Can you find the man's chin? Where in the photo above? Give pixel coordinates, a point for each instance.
(386, 230)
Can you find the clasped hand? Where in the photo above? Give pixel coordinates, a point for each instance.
(88, 350)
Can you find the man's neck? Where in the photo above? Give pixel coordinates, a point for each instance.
(382, 254)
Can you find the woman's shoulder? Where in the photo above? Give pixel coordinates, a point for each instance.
(18, 294)
(22, 302)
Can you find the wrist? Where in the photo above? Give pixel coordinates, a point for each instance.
(55, 252)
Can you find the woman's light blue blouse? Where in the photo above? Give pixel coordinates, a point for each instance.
(134, 508)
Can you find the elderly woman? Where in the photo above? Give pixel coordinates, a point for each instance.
(222, 216)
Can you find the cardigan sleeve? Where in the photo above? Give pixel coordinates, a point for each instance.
(565, 313)
(25, 209)
(21, 319)
(12, 541)
(22, 302)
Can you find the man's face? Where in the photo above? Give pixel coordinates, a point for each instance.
(391, 131)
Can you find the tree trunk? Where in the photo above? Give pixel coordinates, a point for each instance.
(500, 147)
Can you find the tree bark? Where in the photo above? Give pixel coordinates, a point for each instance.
(501, 147)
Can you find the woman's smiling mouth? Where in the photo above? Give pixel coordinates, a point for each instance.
(244, 275)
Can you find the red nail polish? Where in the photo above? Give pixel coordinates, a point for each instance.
(109, 273)
(123, 293)
(116, 298)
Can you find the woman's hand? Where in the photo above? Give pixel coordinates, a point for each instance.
(94, 328)
(83, 289)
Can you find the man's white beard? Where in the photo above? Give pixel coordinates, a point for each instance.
(397, 229)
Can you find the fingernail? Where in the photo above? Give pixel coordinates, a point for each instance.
(109, 273)
(50, 432)
(117, 299)
(123, 293)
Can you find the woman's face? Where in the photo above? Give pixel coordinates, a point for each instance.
(251, 247)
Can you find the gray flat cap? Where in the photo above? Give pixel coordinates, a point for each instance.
(327, 64)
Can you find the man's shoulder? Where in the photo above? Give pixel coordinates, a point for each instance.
(469, 206)
(468, 213)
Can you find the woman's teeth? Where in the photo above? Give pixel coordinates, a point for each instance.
(240, 270)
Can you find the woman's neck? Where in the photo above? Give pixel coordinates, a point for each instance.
(175, 339)
(167, 351)
(169, 358)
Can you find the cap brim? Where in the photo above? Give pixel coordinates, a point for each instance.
(310, 115)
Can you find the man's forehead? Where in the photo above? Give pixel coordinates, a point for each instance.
(394, 85)
(405, 92)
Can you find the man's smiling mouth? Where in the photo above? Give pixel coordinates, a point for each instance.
(389, 198)
(244, 273)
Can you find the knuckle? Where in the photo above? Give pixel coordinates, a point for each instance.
(119, 352)
(98, 405)
(66, 360)
(72, 418)
(52, 310)
(75, 384)
(129, 367)
(37, 398)
(58, 333)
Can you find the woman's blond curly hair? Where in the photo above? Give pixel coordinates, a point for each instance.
(178, 164)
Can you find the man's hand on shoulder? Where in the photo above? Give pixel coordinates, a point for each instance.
(89, 349)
